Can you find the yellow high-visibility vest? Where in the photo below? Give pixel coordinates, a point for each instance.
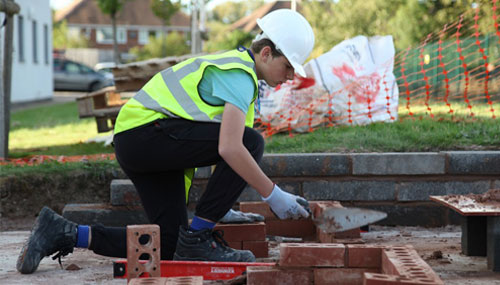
(173, 93)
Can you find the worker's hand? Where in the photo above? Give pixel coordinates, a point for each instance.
(286, 205)
(237, 217)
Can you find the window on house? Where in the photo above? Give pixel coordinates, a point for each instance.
(20, 37)
(46, 43)
(35, 43)
(105, 35)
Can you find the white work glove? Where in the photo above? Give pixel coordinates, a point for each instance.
(238, 217)
(286, 205)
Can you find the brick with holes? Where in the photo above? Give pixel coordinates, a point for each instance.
(143, 239)
(340, 276)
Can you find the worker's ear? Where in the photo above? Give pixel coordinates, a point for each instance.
(265, 53)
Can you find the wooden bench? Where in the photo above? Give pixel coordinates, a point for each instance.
(104, 105)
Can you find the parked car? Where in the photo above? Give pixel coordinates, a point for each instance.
(70, 75)
(105, 69)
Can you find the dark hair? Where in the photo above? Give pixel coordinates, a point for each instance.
(257, 46)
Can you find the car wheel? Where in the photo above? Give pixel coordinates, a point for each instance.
(94, 86)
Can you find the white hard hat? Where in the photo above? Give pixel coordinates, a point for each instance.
(291, 34)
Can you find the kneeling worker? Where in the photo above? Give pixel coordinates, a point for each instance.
(196, 113)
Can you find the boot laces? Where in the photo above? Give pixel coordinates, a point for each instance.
(65, 250)
(218, 236)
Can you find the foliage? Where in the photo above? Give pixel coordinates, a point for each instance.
(222, 38)
(175, 44)
(165, 9)
(111, 8)
(60, 38)
(408, 21)
(230, 11)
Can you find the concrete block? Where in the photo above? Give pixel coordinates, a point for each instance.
(268, 275)
(473, 162)
(474, 235)
(143, 240)
(493, 243)
(398, 163)
(294, 165)
(312, 254)
(123, 193)
(354, 190)
(115, 216)
(249, 194)
(426, 214)
(421, 190)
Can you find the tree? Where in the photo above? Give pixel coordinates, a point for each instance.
(111, 8)
(175, 43)
(60, 38)
(230, 12)
(222, 38)
(165, 9)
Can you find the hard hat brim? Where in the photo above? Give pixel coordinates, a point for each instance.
(299, 69)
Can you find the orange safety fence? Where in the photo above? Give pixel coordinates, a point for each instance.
(455, 70)
(39, 159)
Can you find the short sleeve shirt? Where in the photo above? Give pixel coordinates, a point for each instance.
(233, 86)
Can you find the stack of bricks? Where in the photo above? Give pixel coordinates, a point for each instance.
(323, 263)
(191, 280)
(302, 228)
(246, 236)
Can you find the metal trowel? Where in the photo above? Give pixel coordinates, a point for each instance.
(336, 219)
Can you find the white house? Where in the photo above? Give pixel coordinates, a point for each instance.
(32, 72)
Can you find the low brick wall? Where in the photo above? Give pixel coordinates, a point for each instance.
(397, 183)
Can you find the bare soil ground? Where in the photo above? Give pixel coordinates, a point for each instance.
(439, 247)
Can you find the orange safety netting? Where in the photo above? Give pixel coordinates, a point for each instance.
(453, 71)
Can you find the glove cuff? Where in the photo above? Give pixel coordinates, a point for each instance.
(274, 195)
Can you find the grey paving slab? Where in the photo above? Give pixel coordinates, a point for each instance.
(294, 165)
(353, 190)
(473, 162)
(421, 190)
(398, 163)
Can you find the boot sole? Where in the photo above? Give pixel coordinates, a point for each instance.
(26, 252)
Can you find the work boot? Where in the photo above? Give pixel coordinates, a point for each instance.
(51, 233)
(207, 245)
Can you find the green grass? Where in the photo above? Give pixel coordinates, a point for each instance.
(53, 130)
(57, 130)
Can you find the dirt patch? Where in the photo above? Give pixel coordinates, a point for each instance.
(22, 197)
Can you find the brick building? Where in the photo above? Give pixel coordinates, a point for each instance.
(136, 22)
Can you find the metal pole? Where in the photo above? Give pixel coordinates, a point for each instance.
(194, 25)
(10, 8)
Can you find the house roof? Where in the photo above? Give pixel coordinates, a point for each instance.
(249, 23)
(133, 12)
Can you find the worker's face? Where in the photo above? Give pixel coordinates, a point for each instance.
(275, 70)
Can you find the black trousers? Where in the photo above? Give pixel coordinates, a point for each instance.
(154, 157)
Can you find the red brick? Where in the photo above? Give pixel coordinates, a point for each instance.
(312, 254)
(148, 281)
(340, 276)
(241, 232)
(366, 256)
(258, 208)
(406, 261)
(323, 237)
(384, 279)
(135, 249)
(317, 207)
(235, 244)
(259, 248)
(354, 233)
(291, 228)
(267, 275)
